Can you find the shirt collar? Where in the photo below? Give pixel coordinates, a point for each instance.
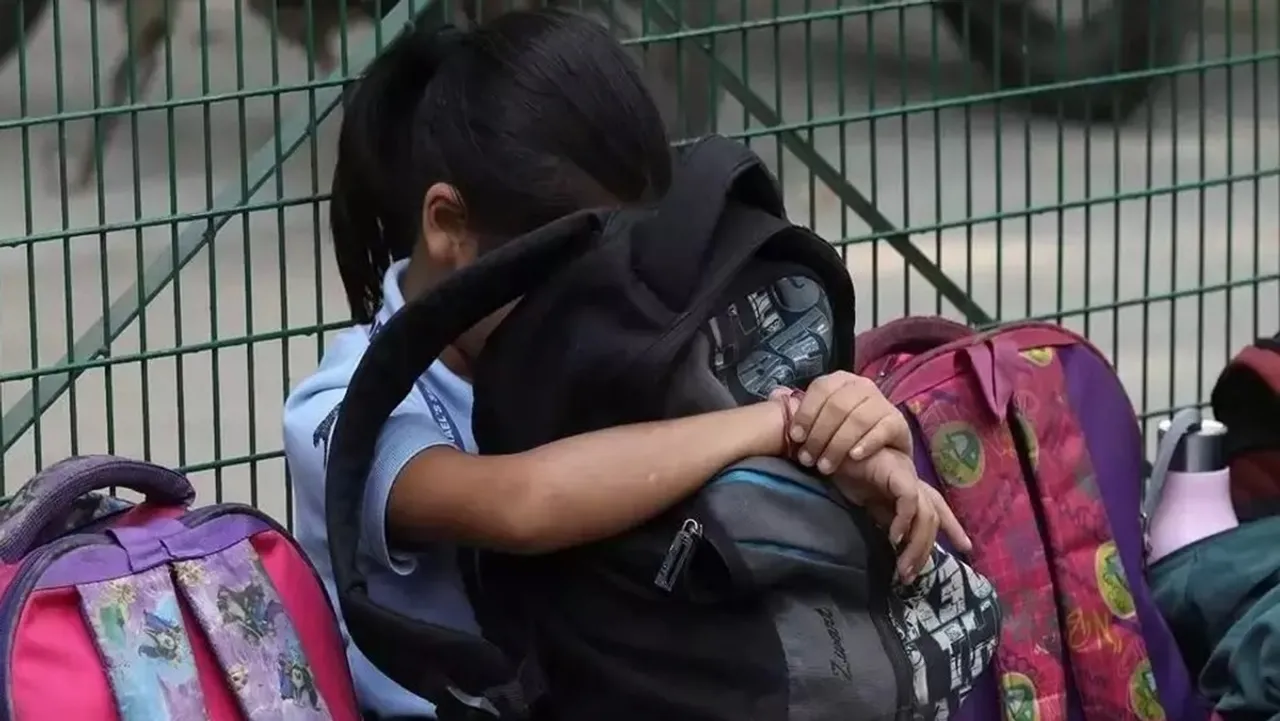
(393, 301)
(392, 297)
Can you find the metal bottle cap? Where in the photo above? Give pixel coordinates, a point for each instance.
(1202, 449)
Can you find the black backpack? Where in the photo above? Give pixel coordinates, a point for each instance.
(764, 596)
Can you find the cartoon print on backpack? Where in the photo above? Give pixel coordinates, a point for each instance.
(249, 610)
(297, 683)
(1111, 581)
(1020, 699)
(137, 627)
(166, 637)
(1039, 356)
(244, 618)
(1143, 699)
(958, 453)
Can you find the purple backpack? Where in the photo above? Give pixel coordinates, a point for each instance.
(1029, 435)
(154, 612)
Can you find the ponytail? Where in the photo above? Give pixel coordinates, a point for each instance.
(374, 217)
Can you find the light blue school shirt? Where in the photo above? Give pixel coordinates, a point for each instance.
(424, 584)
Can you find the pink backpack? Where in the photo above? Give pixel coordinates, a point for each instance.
(1027, 432)
(153, 612)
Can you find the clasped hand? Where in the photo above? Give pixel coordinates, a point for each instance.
(846, 429)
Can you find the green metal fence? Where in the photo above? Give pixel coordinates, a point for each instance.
(965, 163)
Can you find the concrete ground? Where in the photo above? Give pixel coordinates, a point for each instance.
(269, 271)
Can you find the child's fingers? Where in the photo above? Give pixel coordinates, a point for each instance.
(840, 410)
(924, 531)
(839, 448)
(847, 415)
(905, 508)
(948, 523)
(815, 398)
(885, 432)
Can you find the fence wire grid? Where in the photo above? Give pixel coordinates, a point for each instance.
(1108, 164)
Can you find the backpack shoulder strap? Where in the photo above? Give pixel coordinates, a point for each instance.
(431, 661)
(1093, 587)
(972, 453)
(136, 624)
(1037, 519)
(243, 618)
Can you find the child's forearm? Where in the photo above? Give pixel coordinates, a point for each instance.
(580, 489)
(615, 479)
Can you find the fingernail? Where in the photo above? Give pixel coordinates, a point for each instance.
(857, 453)
(825, 467)
(804, 458)
(895, 540)
(797, 434)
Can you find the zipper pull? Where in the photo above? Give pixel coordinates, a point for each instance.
(678, 554)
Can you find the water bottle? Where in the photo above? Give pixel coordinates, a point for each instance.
(1189, 492)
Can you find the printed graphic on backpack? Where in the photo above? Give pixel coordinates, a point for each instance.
(155, 612)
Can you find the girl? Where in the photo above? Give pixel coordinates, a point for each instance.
(452, 144)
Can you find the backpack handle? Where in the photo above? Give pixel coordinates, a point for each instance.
(671, 246)
(49, 496)
(428, 660)
(913, 334)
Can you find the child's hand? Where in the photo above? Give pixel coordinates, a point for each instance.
(842, 417)
(886, 485)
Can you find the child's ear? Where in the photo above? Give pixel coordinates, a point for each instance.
(444, 229)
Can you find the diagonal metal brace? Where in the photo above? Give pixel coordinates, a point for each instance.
(824, 170)
(195, 237)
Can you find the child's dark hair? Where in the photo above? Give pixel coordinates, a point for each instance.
(531, 116)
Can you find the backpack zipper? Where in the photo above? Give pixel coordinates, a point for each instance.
(679, 552)
(885, 607)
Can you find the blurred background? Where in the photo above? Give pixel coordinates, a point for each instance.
(1108, 164)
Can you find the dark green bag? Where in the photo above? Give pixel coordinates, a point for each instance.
(1221, 597)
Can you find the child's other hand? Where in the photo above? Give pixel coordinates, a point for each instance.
(886, 485)
(842, 417)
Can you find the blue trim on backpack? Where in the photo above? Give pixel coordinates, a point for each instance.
(787, 487)
(776, 483)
